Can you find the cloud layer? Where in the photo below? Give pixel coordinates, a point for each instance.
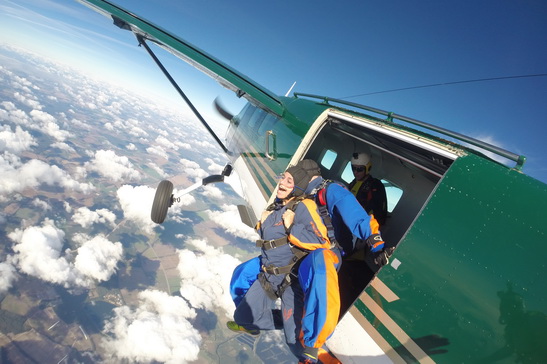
(136, 203)
(16, 176)
(205, 276)
(7, 275)
(69, 149)
(86, 217)
(38, 252)
(158, 329)
(228, 219)
(110, 165)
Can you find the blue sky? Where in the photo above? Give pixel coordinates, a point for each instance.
(343, 50)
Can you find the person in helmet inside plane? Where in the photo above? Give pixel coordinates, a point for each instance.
(298, 265)
(369, 191)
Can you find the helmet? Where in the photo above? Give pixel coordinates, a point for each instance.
(302, 174)
(361, 159)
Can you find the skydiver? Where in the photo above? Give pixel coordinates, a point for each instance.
(297, 264)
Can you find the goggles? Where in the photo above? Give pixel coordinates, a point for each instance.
(358, 168)
(281, 177)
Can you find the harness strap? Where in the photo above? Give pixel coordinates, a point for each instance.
(270, 291)
(267, 287)
(286, 282)
(286, 270)
(366, 189)
(271, 244)
(278, 270)
(297, 255)
(291, 204)
(328, 223)
(320, 194)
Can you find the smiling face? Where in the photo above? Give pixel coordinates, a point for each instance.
(286, 186)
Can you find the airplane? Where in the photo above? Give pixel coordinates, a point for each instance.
(467, 233)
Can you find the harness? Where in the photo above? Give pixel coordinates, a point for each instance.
(366, 188)
(287, 270)
(319, 196)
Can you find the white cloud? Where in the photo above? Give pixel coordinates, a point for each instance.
(192, 169)
(27, 99)
(63, 146)
(17, 176)
(213, 167)
(8, 105)
(186, 163)
(96, 260)
(205, 276)
(212, 191)
(164, 142)
(15, 142)
(229, 219)
(157, 330)
(48, 125)
(7, 275)
(158, 169)
(41, 204)
(183, 200)
(112, 166)
(78, 124)
(85, 217)
(136, 204)
(157, 150)
(202, 144)
(13, 114)
(131, 146)
(185, 146)
(80, 172)
(38, 253)
(137, 131)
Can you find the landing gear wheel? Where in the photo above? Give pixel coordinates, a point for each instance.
(162, 201)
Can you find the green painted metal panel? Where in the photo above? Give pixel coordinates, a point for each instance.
(473, 267)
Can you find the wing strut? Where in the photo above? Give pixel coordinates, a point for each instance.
(142, 42)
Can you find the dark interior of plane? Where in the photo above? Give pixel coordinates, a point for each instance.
(409, 169)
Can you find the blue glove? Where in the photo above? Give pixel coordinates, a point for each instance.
(375, 243)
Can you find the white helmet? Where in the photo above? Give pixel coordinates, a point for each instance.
(361, 159)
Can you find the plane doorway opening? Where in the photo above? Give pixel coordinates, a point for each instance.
(409, 168)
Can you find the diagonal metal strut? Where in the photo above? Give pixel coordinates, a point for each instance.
(142, 42)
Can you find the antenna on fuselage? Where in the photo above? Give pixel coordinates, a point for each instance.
(288, 92)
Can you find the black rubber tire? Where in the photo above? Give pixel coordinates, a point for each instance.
(162, 201)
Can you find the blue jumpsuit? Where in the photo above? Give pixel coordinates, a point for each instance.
(348, 216)
(310, 304)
